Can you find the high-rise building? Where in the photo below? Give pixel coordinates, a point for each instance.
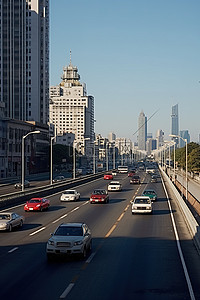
(24, 59)
(175, 122)
(186, 136)
(111, 136)
(159, 138)
(71, 110)
(142, 131)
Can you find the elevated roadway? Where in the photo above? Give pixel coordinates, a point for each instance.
(133, 256)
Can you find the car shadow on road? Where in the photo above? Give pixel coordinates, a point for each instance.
(55, 207)
(112, 201)
(162, 211)
(29, 226)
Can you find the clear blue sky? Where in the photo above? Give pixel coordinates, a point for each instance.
(133, 55)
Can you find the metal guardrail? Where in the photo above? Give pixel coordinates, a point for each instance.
(42, 191)
(189, 218)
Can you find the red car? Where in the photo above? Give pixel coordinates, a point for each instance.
(37, 204)
(135, 179)
(108, 176)
(99, 196)
(131, 173)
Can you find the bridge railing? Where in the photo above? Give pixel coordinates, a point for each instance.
(188, 216)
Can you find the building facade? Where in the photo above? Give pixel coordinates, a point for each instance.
(24, 59)
(142, 131)
(175, 123)
(71, 110)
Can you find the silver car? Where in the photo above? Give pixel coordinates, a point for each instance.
(9, 220)
(68, 239)
(19, 185)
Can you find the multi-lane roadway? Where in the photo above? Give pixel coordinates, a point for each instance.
(133, 256)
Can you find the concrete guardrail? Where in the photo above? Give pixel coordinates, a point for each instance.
(189, 218)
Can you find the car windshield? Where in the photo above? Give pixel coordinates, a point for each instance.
(114, 183)
(142, 201)
(69, 231)
(34, 201)
(149, 192)
(99, 192)
(136, 177)
(69, 192)
(4, 217)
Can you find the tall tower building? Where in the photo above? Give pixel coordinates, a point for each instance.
(142, 131)
(24, 59)
(71, 110)
(186, 136)
(175, 122)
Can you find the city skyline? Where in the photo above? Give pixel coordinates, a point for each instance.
(149, 60)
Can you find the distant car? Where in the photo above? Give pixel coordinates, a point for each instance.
(68, 239)
(114, 186)
(135, 179)
(19, 184)
(131, 173)
(150, 170)
(108, 176)
(141, 204)
(37, 204)
(9, 220)
(114, 172)
(151, 194)
(70, 195)
(154, 178)
(99, 195)
(59, 178)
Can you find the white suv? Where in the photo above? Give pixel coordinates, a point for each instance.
(68, 239)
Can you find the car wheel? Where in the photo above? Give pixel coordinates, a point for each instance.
(41, 209)
(21, 224)
(84, 254)
(90, 247)
(10, 228)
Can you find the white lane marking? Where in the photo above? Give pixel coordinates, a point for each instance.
(12, 250)
(65, 215)
(90, 257)
(192, 297)
(66, 291)
(35, 232)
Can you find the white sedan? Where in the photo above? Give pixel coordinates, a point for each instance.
(70, 195)
(142, 204)
(114, 186)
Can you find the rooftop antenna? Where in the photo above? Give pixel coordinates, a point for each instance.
(70, 57)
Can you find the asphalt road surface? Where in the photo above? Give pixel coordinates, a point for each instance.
(133, 256)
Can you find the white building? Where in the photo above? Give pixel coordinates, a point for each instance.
(24, 59)
(71, 110)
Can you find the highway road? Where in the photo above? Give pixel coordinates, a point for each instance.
(133, 256)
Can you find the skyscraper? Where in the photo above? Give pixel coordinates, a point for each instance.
(175, 122)
(142, 131)
(71, 110)
(24, 59)
(186, 136)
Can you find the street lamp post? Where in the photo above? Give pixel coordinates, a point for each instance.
(186, 167)
(51, 170)
(23, 150)
(94, 159)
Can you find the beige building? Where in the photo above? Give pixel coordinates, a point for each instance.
(71, 110)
